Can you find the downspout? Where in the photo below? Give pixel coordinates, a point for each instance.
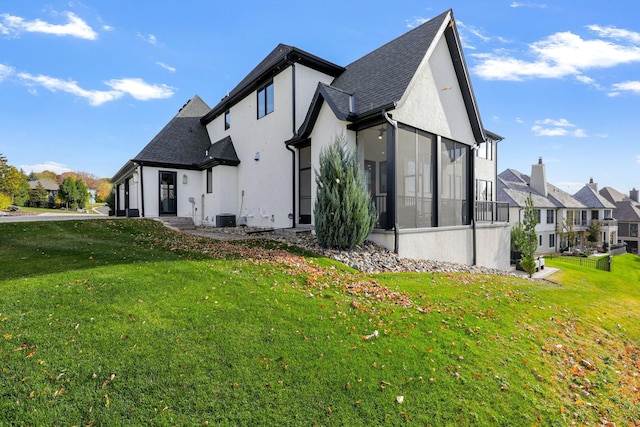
(141, 192)
(293, 152)
(394, 124)
(474, 250)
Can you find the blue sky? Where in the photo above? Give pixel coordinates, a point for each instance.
(86, 85)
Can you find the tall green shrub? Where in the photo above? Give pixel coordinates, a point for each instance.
(344, 210)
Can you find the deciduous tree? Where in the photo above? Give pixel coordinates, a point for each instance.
(528, 240)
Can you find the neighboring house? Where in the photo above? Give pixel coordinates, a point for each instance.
(600, 211)
(50, 187)
(557, 211)
(407, 108)
(627, 213)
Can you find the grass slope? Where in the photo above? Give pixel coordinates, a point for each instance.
(122, 322)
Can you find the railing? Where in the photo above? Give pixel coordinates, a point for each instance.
(491, 211)
(602, 263)
(380, 202)
(605, 222)
(484, 211)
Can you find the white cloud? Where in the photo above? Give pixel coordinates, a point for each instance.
(11, 25)
(166, 67)
(616, 33)
(557, 127)
(95, 97)
(135, 87)
(559, 122)
(637, 158)
(416, 22)
(629, 86)
(516, 4)
(560, 55)
(141, 90)
(151, 39)
(5, 71)
(54, 167)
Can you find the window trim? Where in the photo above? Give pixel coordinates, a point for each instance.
(263, 93)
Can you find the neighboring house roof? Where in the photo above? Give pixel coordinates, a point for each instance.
(279, 58)
(627, 209)
(378, 80)
(46, 184)
(513, 188)
(182, 143)
(589, 196)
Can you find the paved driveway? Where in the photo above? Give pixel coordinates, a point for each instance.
(48, 217)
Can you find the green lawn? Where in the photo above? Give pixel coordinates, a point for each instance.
(123, 322)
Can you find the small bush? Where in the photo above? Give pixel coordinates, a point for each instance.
(5, 201)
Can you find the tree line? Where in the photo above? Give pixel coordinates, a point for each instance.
(70, 190)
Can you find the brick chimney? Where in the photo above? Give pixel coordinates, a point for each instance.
(633, 194)
(593, 185)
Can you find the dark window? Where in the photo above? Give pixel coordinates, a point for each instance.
(538, 215)
(305, 177)
(210, 180)
(594, 214)
(540, 240)
(633, 230)
(550, 216)
(227, 119)
(552, 240)
(265, 100)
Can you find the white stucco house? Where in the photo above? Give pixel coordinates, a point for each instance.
(556, 209)
(409, 110)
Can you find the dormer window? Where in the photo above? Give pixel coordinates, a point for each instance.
(227, 119)
(265, 100)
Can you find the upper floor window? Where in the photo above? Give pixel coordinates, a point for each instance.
(550, 216)
(608, 214)
(484, 190)
(209, 180)
(227, 119)
(265, 100)
(485, 150)
(538, 216)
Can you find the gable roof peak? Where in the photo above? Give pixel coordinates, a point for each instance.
(277, 60)
(194, 107)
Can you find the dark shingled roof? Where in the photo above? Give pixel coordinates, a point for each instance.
(182, 142)
(378, 80)
(221, 152)
(382, 76)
